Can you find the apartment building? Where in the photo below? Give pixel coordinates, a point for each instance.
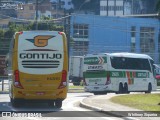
(127, 7)
(26, 11)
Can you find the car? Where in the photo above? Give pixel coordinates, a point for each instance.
(158, 77)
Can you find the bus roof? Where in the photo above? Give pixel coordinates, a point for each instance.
(124, 54)
(131, 55)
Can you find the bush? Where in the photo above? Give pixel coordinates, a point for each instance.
(81, 83)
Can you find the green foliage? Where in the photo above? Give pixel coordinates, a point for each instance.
(158, 6)
(71, 42)
(1, 33)
(146, 102)
(13, 27)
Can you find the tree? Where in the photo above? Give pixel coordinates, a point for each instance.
(1, 34)
(158, 6)
(93, 5)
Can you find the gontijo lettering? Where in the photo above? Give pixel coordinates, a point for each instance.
(40, 55)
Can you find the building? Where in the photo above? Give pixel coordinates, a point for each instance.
(111, 7)
(26, 11)
(127, 7)
(94, 34)
(62, 4)
(44, 9)
(4, 23)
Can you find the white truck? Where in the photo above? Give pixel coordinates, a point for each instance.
(76, 69)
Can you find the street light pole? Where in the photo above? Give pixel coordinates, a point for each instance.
(83, 45)
(36, 14)
(86, 1)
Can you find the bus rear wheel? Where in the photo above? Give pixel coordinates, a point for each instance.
(58, 103)
(15, 103)
(125, 89)
(149, 88)
(120, 91)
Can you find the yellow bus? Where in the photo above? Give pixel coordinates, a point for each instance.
(38, 67)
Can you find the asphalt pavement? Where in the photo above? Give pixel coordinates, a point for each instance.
(103, 104)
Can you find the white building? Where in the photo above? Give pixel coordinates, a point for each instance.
(111, 7)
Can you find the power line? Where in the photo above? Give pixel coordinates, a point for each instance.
(61, 18)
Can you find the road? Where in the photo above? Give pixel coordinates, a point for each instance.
(70, 108)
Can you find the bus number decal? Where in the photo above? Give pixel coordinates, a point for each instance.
(115, 74)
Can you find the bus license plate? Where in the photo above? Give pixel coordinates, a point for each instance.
(96, 88)
(40, 93)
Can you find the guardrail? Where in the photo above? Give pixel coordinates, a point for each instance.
(2, 78)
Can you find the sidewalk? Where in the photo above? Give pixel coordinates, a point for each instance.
(102, 103)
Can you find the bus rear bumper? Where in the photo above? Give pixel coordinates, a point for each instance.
(40, 95)
(37, 100)
(97, 88)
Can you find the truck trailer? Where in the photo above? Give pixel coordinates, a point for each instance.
(76, 69)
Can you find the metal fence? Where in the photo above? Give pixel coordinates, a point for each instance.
(4, 87)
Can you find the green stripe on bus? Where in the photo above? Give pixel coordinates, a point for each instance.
(118, 74)
(95, 60)
(115, 74)
(96, 74)
(142, 74)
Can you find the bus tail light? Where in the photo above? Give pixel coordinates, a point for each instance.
(108, 79)
(60, 33)
(20, 33)
(64, 80)
(17, 82)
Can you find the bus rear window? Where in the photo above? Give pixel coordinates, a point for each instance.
(130, 63)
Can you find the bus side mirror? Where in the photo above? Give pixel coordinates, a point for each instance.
(155, 72)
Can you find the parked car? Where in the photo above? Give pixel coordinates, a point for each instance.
(158, 80)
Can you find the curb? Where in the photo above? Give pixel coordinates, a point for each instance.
(111, 113)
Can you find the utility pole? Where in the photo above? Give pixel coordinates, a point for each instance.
(0, 4)
(36, 14)
(67, 27)
(68, 30)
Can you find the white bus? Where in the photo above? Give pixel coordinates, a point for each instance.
(119, 73)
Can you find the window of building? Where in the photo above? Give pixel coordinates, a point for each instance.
(80, 31)
(103, 8)
(133, 39)
(147, 40)
(159, 42)
(30, 7)
(69, 3)
(80, 48)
